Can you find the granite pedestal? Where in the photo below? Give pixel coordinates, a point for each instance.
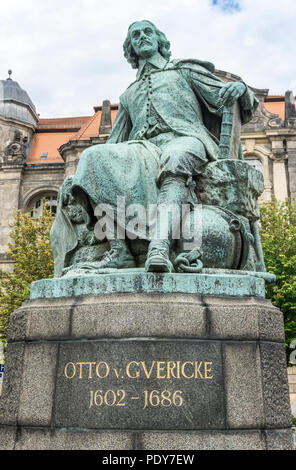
(148, 368)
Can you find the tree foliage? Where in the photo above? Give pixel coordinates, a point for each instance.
(278, 238)
(31, 252)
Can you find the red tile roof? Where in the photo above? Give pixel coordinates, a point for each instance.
(47, 142)
(90, 128)
(62, 123)
(51, 134)
(275, 104)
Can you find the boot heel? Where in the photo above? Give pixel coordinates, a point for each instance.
(158, 264)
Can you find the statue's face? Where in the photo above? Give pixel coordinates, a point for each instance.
(144, 39)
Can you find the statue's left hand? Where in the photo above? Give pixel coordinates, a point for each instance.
(231, 91)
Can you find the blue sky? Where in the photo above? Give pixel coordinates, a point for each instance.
(228, 6)
(67, 54)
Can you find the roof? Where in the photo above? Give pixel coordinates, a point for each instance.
(50, 135)
(276, 108)
(15, 103)
(47, 143)
(275, 104)
(62, 123)
(90, 128)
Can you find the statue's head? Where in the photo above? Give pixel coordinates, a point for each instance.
(144, 40)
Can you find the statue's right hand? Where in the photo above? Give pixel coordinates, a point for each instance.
(231, 91)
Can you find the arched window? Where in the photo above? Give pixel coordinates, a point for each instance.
(36, 205)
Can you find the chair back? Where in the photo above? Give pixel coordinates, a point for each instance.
(230, 143)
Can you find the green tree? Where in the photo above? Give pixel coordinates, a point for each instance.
(31, 252)
(278, 238)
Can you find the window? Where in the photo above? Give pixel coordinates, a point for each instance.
(36, 206)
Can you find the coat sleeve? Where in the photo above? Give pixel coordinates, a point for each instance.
(248, 105)
(206, 86)
(122, 126)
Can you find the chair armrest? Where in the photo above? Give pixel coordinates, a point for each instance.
(230, 144)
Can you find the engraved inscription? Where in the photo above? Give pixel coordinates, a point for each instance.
(140, 385)
(139, 369)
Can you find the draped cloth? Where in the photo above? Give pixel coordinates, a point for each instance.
(107, 173)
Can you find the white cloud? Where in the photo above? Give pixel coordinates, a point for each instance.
(68, 54)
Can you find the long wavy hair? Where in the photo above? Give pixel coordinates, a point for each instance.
(131, 56)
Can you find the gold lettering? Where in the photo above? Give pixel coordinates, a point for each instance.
(91, 399)
(106, 367)
(178, 370)
(90, 364)
(172, 365)
(145, 398)
(208, 370)
(117, 373)
(148, 374)
(177, 398)
(110, 401)
(66, 370)
(160, 368)
(80, 372)
(183, 370)
(163, 370)
(170, 369)
(128, 370)
(122, 392)
(164, 398)
(81, 364)
(99, 394)
(197, 370)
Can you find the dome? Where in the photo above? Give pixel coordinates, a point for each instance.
(15, 103)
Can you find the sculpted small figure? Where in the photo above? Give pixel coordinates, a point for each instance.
(15, 152)
(73, 242)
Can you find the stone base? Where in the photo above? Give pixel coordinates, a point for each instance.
(216, 282)
(146, 372)
(30, 438)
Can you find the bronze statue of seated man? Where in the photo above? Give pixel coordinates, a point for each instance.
(166, 132)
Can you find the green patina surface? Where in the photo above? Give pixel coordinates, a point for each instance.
(175, 142)
(140, 282)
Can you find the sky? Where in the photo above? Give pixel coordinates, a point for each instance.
(67, 54)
